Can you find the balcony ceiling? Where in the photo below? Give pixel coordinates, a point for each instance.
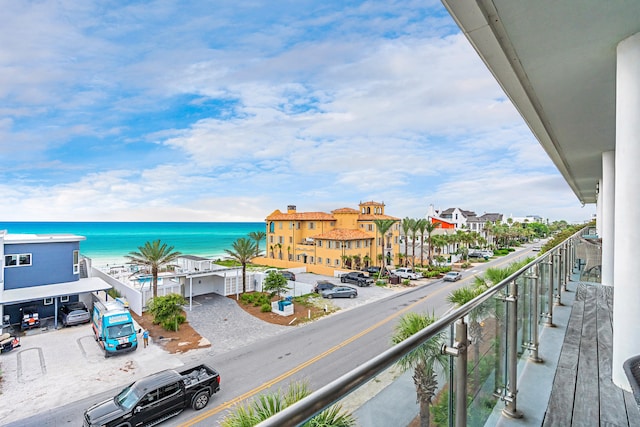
(556, 60)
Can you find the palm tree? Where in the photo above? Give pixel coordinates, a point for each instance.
(421, 226)
(414, 234)
(154, 255)
(383, 225)
(267, 405)
(258, 236)
(406, 225)
(243, 251)
(424, 360)
(430, 228)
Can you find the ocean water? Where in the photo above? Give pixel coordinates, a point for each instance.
(109, 242)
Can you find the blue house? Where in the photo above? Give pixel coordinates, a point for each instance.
(43, 271)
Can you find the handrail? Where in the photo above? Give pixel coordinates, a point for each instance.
(327, 395)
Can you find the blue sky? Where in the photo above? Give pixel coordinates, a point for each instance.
(228, 110)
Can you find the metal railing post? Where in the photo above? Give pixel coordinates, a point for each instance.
(558, 276)
(549, 314)
(511, 408)
(459, 351)
(533, 344)
(563, 263)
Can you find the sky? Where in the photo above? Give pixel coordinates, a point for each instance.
(228, 110)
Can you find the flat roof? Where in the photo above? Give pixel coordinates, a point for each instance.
(91, 284)
(41, 238)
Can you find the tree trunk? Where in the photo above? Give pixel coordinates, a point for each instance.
(424, 414)
(154, 280)
(244, 278)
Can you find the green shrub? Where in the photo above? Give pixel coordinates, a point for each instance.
(167, 311)
(406, 282)
(265, 308)
(174, 323)
(113, 293)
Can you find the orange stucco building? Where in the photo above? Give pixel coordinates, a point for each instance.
(323, 242)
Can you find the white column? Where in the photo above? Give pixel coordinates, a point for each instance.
(599, 209)
(626, 300)
(607, 212)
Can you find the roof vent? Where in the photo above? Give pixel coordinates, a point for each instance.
(291, 208)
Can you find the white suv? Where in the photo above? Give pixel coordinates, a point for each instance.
(407, 273)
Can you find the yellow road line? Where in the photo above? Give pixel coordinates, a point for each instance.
(204, 415)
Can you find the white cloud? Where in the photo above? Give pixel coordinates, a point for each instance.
(167, 111)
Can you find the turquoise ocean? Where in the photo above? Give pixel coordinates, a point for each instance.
(107, 243)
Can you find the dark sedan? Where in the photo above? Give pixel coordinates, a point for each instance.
(323, 285)
(340, 292)
(74, 313)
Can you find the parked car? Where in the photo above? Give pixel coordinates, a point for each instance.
(288, 275)
(30, 317)
(323, 285)
(372, 269)
(452, 276)
(340, 292)
(407, 273)
(74, 313)
(477, 253)
(357, 278)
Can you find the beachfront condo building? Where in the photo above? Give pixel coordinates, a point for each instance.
(342, 239)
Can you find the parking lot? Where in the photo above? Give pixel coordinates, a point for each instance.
(69, 359)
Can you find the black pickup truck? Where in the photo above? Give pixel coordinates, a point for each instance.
(156, 398)
(356, 278)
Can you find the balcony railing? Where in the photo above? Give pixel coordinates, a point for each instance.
(486, 344)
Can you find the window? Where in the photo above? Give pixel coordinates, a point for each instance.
(338, 262)
(64, 298)
(311, 260)
(290, 239)
(280, 225)
(358, 244)
(319, 243)
(17, 260)
(370, 227)
(76, 262)
(328, 261)
(319, 260)
(290, 225)
(311, 226)
(271, 227)
(48, 301)
(281, 239)
(169, 390)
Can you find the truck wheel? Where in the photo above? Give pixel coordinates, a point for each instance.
(200, 401)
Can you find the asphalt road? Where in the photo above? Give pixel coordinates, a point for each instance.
(318, 352)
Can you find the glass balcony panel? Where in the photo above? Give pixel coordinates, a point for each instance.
(485, 360)
(403, 390)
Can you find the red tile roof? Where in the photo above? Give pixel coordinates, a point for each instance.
(302, 216)
(344, 234)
